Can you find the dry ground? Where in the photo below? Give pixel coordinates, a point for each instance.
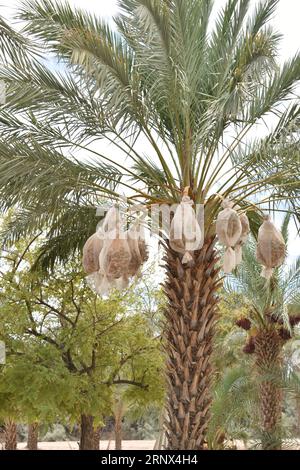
(72, 445)
(129, 445)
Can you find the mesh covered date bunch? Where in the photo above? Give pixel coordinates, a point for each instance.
(111, 256)
(115, 256)
(138, 248)
(91, 252)
(243, 238)
(271, 248)
(185, 232)
(229, 231)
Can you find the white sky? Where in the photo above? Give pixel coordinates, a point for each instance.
(285, 21)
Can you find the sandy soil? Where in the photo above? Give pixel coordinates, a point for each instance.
(72, 445)
(132, 445)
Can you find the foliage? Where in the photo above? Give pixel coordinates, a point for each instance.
(159, 78)
(235, 411)
(68, 349)
(277, 300)
(191, 91)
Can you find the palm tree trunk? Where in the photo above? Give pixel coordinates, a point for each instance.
(268, 362)
(87, 441)
(32, 438)
(190, 315)
(10, 435)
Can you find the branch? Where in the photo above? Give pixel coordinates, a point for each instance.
(46, 338)
(128, 382)
(53, 309)
(25, 251)
(74, 303)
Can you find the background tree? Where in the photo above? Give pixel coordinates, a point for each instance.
(194, 88)
(11, 441)
(233, 403)
(273, 311)
(68, 348)
(33, 436)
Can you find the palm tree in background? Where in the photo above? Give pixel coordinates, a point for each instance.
(179, 93)
(273, 311)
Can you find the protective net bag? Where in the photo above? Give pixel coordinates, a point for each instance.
(185, 232)
(112, 220)
(115, 255)
(99, 283)
(91, 252)
(94, 244)
(229, 230)
(138, 248)
(102, 285)
(243, 238)
(270, 249)
(111, 256)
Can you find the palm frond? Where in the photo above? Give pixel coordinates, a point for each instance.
(193, 86)
(13, 45)
(66, 236)
(33, 172)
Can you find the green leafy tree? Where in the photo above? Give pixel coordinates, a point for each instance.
(194, 88)
(68, 349)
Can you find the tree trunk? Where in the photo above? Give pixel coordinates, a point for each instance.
(32, 438)
(87, 433)
(10, 435)
(268, 363)
(97, 435)
(118, 425)
(190, 315)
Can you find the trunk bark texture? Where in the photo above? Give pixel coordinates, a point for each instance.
(190, 317)
(32, 438)
(268, 363)
(87, 438)
(10, 435)
(118, 426)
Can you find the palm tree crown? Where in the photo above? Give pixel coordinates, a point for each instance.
(177, 92)
(191, 85)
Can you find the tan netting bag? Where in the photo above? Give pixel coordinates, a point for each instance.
(102, 285)
(185, 232)
(91, 252)
(271, 249)
(94, 244)
(111, 256)
(115, 255)
(243, 238)
(138, 248)
(111, 221)
(229, 230)
(99, 283)
(103, 255)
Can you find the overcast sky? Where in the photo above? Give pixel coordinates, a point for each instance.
(286, 19)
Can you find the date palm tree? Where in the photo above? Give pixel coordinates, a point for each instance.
(178, 93)
(10, 435)
(273, 311)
